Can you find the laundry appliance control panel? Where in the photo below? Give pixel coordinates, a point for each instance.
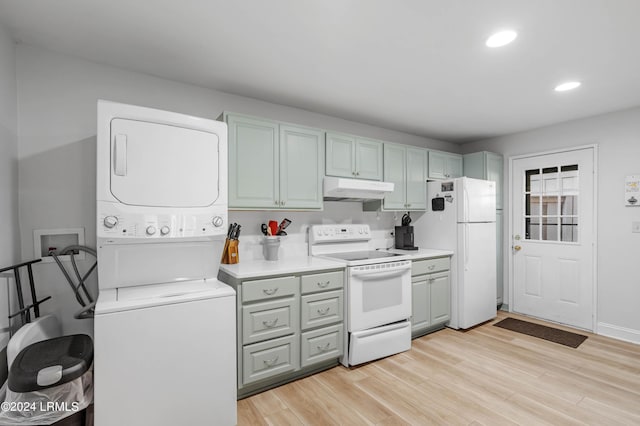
(114, 223)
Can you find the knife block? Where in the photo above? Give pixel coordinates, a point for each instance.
(230, 252)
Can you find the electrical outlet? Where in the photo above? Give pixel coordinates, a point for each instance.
(635, 226)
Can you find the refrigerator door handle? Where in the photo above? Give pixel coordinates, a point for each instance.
(466, 246)
(465, 205)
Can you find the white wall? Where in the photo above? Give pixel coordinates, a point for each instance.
(9, 241)
(57, 122)
(618, 138)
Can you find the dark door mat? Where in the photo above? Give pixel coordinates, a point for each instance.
(543, 332)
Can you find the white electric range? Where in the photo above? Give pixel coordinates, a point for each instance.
(378, 291)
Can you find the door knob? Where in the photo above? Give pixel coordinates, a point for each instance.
(517, 248)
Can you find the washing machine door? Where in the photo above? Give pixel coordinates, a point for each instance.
(161, 165)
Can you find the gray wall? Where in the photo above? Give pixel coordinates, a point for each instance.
(618, 138)
(9, 241)
(57, 126)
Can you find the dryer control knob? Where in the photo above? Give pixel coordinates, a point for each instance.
(165, 230)
(217, 221)
(110, 221)
(151, 230)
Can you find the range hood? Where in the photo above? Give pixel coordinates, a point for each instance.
(346, 189)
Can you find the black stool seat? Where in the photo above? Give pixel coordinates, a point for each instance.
(51, 363)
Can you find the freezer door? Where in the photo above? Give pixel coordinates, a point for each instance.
(476, 200)
(476, 295)
(161, 165)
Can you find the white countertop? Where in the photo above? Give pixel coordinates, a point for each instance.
(422, 253)
(263, 268)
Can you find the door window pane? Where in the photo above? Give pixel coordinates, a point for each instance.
(550, 179)
(550, 206)
(569, 205)
(532, 181)
(569, 229)
(532, 228)
(549, 229)
(532, 205)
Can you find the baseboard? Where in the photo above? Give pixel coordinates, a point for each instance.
(620, 333)
(504, 307)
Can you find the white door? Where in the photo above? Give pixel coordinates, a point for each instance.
(553, 236)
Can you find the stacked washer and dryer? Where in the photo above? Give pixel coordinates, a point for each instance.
(165, 347)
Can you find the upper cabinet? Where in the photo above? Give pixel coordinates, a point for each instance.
(353, 157)
(444, 165)
(488, 166)
(274, 165)
(406, 167)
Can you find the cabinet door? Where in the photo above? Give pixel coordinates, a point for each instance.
(453, 167)
(368, 159)
(253, 162)
(416, 181)
(495, 173)
(394, 171)
(420, 313)
(440, 292)
(301, 160)
(340, 159)
(437, 165)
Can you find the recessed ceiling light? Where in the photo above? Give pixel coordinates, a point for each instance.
(569, 85)
(501, 38)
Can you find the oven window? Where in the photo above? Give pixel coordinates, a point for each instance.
(381, 293)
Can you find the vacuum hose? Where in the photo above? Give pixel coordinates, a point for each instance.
(88, 304)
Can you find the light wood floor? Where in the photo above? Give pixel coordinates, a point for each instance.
(486, 375)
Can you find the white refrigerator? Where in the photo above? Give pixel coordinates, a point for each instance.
(461, 216)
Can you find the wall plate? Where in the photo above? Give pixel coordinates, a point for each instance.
(45, 240)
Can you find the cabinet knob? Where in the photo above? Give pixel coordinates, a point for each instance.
(270, 291)
(324, 284)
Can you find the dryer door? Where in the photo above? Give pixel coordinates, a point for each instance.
(159, 165)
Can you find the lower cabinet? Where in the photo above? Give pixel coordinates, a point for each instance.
(431, 295)
(288, 327)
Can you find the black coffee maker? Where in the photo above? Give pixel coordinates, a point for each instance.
(404, 234)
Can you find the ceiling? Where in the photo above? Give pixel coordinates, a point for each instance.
(418, 66)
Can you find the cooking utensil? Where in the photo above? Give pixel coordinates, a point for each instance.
(406, 219)
(283, 225)
(273, 226)
(264, 228)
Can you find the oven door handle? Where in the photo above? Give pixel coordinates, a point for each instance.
(380, 275)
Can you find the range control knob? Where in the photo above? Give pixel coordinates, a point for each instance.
(165, 230)
(217, 221)
(110, 221)
(151, 230)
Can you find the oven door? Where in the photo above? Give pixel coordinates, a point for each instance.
(379, 294)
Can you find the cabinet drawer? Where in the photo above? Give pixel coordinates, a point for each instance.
(427, 266)
(321, 309)
(321, 345)
(269, 289)
(266, 320)
(321, 282)
(267, 359)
